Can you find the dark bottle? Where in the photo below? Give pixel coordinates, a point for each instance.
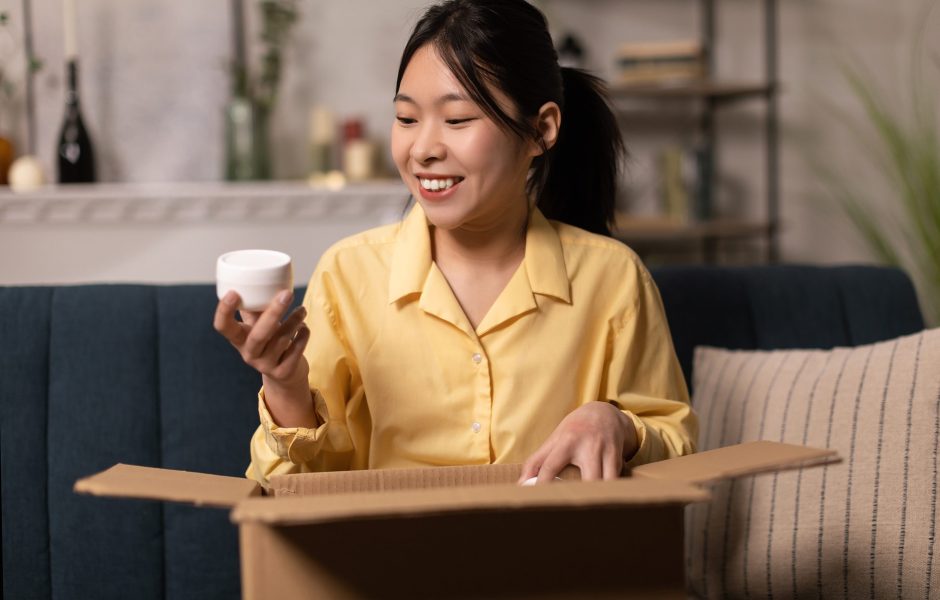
(76, 157)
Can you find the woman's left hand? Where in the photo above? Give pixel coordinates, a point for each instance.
(594, 437)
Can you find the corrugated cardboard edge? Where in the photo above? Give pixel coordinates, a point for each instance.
(749, 458)
(201, 489)
(405, 503)
(384, 480)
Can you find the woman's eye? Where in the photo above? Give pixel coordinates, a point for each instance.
(458, 121)
(406, 120)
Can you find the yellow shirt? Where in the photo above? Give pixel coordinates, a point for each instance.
(400, 378)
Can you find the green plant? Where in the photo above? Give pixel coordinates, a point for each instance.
(9, 51)
(903, 230)
(277, 20)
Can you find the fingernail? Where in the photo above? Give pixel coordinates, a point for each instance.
(285, 296)
(230, 298)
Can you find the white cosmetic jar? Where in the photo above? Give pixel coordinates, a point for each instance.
(257, 276)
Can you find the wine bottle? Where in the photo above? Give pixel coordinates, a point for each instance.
(76, 156)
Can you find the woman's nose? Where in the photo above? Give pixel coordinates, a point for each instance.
(428, 146)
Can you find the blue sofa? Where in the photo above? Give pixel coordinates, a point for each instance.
(98, 374)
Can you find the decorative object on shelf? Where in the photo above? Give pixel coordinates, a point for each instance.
(571, 52)
(7, 154)
(323, 150)
(76, 156)
(903, 229)
(26, 174)
(248, 113)
(672, 184)
(661, 62)
(359, 152)
(247, 155)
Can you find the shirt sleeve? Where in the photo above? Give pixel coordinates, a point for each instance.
(645, 380)
(335, 386)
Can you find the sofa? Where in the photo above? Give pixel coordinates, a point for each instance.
(92, 375)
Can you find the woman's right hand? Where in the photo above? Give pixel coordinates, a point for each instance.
(269, 345)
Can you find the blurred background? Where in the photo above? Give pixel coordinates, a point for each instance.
(759, 130)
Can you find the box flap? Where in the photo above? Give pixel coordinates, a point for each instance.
(734, 461)
(404, 503)
(130, 481)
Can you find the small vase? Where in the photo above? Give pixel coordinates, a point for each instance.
(7, 154)
(247, 154)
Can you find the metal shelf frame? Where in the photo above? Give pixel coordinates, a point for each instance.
(771, 131)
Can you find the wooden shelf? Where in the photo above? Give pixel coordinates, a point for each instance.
(662, 230)
(716, 90)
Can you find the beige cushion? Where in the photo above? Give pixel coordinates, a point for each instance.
(865, 528)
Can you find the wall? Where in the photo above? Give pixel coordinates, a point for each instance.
(154, 84)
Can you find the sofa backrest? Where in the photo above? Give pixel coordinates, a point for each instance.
(785, 307)
(99, 374)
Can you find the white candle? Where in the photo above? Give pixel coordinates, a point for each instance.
(68, 14)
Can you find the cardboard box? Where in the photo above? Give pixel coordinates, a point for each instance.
(460, 532)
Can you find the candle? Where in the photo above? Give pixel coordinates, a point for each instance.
(68, 14)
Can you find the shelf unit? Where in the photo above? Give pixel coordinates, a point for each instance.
(711, 96)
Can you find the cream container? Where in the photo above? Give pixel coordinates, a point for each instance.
(257, 276)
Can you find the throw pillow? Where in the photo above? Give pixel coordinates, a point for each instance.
(863, 528)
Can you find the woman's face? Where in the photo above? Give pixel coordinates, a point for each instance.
(464, 170)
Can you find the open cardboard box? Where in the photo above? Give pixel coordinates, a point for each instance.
(460, 532)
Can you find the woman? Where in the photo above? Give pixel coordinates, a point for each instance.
(477, 330)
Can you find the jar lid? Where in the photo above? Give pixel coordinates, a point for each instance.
(255, 267)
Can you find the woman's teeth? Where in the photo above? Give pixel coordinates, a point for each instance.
(435, 185)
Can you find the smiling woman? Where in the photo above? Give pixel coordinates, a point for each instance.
(475, 330)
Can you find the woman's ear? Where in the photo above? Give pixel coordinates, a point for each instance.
(548, 122)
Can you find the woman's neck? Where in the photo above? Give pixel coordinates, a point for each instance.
(495, 244)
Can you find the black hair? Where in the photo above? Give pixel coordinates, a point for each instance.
(505, 44)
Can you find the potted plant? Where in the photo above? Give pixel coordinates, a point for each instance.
(904, 229)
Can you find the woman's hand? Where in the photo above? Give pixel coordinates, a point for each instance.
(275, 349)
(268, 345)
(595, 437)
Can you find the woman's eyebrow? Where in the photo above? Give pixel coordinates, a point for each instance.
(452, 97)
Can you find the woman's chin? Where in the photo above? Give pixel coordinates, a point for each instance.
(443, 216)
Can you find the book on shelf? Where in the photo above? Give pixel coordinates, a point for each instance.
(661, 62)
(673, 190)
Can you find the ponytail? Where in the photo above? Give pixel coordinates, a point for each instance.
(576, 181)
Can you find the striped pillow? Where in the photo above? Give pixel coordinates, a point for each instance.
(864, 528)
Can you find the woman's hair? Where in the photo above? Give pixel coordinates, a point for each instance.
(505, 44)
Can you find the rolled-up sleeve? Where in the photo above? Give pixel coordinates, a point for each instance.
(645, 380)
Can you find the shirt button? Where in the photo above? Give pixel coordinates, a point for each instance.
(476, 427)
(476, 357)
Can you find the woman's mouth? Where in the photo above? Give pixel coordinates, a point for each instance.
(438, 187)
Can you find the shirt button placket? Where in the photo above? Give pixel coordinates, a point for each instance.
(484, 399)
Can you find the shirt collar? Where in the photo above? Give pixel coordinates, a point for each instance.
(544, 258)
(411, 260)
